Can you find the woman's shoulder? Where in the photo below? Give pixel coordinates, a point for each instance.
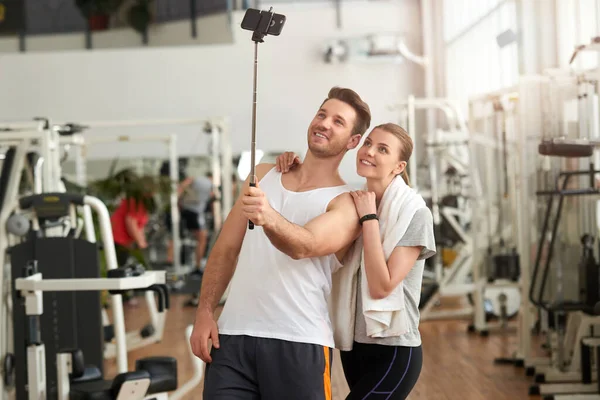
(423, 215)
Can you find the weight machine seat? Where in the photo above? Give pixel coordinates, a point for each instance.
(571, 306)
(569, 150)
(104, 390)
(87, 383)
(163, 373)
(70, 129)
(90, 373)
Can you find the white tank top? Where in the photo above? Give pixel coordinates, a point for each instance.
(272, 295)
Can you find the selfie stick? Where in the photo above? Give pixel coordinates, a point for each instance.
(257, 37)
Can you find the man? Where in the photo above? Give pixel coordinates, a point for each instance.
(275, 336)
(194, 195)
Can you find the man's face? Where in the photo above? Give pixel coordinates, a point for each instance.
(330, 131)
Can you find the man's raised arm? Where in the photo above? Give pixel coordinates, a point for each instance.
(326, 234)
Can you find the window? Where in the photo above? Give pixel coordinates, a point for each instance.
(475, 63)
(578, 22)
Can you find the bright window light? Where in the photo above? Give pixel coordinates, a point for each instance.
(243, 168)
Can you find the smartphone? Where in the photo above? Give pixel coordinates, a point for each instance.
(256, 20)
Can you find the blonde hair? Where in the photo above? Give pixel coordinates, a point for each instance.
(406, 142)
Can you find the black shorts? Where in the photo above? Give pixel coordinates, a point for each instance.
(190, 220)
(246, 367)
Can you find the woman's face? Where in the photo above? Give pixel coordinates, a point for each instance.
(379, 156)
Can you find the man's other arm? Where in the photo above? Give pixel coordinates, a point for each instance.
(221, 263)
(219, 270)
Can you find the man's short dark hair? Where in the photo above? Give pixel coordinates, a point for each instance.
(350, 97)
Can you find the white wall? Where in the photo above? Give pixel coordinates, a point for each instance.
(191, 82)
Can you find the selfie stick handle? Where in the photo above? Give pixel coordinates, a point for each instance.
(253, 144)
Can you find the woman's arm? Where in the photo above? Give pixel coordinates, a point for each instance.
(134, 210)
(383, 277)
(135, 231)
(184, 185)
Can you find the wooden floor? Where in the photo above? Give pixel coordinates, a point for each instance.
(456, 365)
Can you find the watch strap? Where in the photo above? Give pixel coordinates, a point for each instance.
(368, 217)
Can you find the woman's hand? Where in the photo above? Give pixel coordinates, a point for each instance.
(364, 202)
(287, 161)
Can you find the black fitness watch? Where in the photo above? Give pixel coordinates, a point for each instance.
(367, 217)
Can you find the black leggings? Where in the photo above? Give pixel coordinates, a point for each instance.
(122, 254)
(377, 372)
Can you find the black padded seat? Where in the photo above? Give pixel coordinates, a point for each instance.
(163, 373)
(571, 306)
(92, 390)
(81, 372)
(569, 150)
(69, 129)
(91, 373)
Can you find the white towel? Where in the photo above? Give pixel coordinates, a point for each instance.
(384, 317)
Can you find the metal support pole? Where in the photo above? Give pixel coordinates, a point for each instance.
(174, 177)
(412, 126)
(216, 173)
(227, 167)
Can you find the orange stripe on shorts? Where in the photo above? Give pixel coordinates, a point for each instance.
(327, 374)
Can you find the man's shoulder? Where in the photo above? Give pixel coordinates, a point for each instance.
(263, 168)
(342, 201)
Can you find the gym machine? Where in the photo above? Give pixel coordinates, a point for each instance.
(575, 151)
(10, 177)
(19, 139)
(38, 135)
(170, 142)
(580, 315)
(571, 158)
(548, 125)
(47, 177)
(218, 130)
(447, 155)
(219, 151)
(221, 162)
(494, 153)
(507, 126)
(50, 346)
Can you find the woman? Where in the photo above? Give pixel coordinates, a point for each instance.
(384, 365)
(128, 226)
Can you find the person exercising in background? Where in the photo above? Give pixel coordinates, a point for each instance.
(194, 194)
(128, 228)
(209, 214)
(128, 223)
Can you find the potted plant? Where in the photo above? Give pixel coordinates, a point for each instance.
(149, 190)
(139, 17)
(127, 184)
(98, 12)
